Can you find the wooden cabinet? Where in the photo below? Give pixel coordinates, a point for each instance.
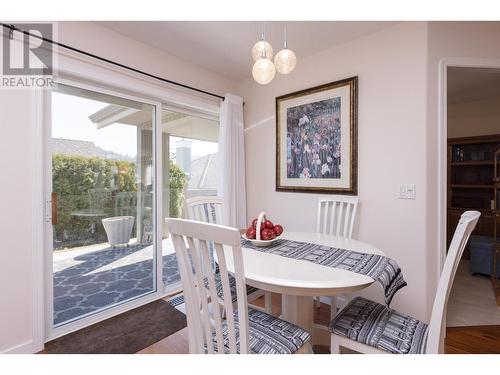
(496, 182)
(471, 182)
(496, 262)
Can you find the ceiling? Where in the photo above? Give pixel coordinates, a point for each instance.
(468, 84)
(224, 47)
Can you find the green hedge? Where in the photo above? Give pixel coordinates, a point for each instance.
(96, 184)
(178, 182)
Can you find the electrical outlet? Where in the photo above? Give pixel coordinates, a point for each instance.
(407, 191)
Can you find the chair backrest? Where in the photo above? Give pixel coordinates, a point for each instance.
(465, 226)
(207, 209)
(204, 315)
(336, 215)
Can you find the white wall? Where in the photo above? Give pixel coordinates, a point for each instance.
(474, 118)
(16, 278)
(392, 70)
(15, 222)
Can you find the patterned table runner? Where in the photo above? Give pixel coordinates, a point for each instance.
(380, 268)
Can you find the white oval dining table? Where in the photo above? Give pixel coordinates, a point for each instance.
(300, 280)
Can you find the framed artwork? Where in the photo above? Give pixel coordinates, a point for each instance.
(316, 139)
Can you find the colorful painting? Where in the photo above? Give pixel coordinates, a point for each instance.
(316, 139)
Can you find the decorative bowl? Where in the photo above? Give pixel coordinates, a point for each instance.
(257, 241)
(260, 243)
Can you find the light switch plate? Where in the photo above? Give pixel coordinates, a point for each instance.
(407, 191)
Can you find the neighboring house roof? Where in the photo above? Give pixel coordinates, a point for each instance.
(72, 147)
(204, 172)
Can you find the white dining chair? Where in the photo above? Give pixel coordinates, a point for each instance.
(243, 330)
(208, 209)
(369, 327)
(336, 215)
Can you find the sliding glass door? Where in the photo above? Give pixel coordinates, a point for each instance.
(102, 177)
(190, 146)
(117, 167)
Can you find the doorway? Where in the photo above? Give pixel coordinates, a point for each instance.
(473, 141)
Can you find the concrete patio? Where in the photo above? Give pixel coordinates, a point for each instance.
(89, 278)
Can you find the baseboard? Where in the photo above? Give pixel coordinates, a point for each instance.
(24, 348)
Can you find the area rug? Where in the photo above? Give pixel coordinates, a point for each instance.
(472, 301)
(88, 282)
(123, 334)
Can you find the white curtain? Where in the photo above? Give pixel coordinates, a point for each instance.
(231, 170)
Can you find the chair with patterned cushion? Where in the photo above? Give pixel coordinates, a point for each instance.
(243, 330)
(208, 209)
(336, 215)
(369, 327)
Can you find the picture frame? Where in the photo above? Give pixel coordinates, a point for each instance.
(317, 139)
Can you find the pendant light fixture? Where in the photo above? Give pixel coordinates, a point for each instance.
(285, 59)
(260, 47)
(264, 70)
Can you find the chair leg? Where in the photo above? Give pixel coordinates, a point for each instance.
(333, 307)
(317, 302)
(342, 301)
(281, 316)
(306, 349)
(222, 308)
(334, 344)
(268, 302)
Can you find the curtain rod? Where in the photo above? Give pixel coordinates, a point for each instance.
(12, 28)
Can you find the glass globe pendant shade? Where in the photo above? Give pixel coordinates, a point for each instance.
(260, 49)
(263, 71)
(285, 61)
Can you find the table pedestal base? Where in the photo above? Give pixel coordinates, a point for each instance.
(299, 310)
(320, 335)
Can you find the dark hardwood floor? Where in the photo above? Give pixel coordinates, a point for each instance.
(473, 340)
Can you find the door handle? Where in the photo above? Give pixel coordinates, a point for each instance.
(54, 207)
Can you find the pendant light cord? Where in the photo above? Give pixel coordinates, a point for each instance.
(286, 42)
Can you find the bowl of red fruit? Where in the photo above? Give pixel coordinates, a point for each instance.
(262, 231)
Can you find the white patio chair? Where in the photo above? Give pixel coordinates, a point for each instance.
(208, 209)
(242, 331)
(336, 215)
(369, 327)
